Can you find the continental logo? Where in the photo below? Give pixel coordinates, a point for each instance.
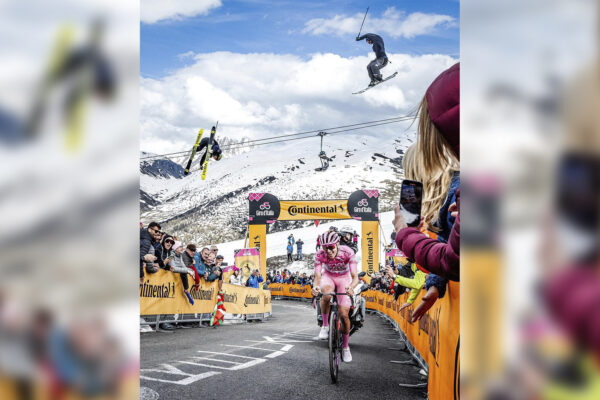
(431, 326)
(251, 300)
(230, 298)
(201, 294)
(294, 290)
(276, 288)
(369, 299)
(164, 291)
(295, 210)
(363, 207)
(370, 252)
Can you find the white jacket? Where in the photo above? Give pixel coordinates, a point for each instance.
(236, 281)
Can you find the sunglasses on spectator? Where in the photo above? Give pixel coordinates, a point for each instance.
(332, 247)
(169, 241)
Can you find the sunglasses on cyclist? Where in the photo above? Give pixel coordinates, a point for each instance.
(332, 247)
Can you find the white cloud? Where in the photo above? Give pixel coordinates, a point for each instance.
(157, 10)
(262, 95)
(393, 23)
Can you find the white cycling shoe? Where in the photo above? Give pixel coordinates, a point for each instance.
(346, 356)
(324, 333)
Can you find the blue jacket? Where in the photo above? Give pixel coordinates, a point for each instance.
(199, 264)
(253, 281)
(290, 248)
(445, 220)
(299, 244)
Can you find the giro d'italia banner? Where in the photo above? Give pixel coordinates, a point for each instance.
(162, 293)
(247, 260)
(436, 336)
(397, 256)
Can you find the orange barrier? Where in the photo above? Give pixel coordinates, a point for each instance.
(436, 336)
(162, 293)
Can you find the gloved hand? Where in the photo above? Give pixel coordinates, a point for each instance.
(358, 38)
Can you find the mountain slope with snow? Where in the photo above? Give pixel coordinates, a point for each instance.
(215, 210)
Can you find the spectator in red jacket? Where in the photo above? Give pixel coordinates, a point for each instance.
(438, 142)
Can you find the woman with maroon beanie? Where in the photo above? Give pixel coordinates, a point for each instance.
(438, 142)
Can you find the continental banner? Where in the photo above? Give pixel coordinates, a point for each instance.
(258, 239)
(313, 209)
(370, 246)
(247, 260)
(162, 293)
(287, 290)
(436, 336)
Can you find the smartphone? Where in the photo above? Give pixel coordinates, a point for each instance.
(411, 195)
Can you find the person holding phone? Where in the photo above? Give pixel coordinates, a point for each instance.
(438, 141)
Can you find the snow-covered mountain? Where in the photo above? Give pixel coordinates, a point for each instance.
(215, 210)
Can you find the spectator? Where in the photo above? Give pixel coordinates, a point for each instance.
(254, 279)
(219, 262)
(355, 239)
(236, 278)
(291, 239)
(165, 252)
(180, 266)
(438, 144)
(290, 250)
(299, 244)
(146, 238)
(213, 272)
(318, 243)
(416, 283)
(214, 250)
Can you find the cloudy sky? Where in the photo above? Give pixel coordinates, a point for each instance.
(265, 67)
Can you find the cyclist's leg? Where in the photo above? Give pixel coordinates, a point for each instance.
(344, 307)
(327, 286)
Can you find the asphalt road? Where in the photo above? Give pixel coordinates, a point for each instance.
(279, 358)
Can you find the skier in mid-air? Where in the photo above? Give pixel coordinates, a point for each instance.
(381, 59)
(217, 153)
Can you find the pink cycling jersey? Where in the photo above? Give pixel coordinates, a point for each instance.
(343, 262)
(336, 272)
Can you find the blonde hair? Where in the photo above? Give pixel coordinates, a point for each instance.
(436, 182)
(432, 147)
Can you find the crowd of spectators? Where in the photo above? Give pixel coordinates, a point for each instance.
(291, 241)
(293, 278)
(160, 250)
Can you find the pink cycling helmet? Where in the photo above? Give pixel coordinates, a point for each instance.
(329, 238)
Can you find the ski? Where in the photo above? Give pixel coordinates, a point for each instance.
(378, 83)
(213, 131)
(189, 164)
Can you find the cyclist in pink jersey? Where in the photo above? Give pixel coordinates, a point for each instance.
(335, 271)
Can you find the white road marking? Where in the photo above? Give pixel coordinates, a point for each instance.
(215, 359)
(235, 368)
(226, 354)
(185, 381)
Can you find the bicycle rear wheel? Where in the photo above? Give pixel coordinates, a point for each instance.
(334, 348)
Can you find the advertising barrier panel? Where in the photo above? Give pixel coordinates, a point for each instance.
(436, 336)
(162, 293)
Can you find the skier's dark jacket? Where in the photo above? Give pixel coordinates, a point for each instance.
(145, 244)
(378, 47)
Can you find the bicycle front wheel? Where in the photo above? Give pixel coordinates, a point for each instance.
(334, 349)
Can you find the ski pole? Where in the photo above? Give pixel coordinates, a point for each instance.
(361, 25)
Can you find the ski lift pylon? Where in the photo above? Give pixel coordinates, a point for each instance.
(322, 156)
